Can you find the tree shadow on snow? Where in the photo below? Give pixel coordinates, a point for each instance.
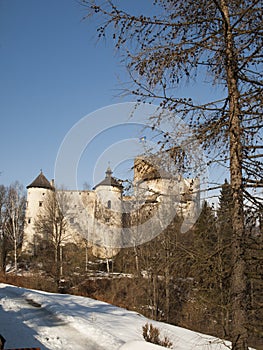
(20, 322)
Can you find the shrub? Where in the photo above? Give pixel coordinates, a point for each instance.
(152, 335)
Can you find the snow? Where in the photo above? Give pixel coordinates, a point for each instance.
(30, 318)
(140, 345)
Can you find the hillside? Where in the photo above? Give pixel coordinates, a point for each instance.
(62, 321)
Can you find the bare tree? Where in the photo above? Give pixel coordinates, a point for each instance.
(220, 40)
(14, 222)
(2, 227)
(52, 227)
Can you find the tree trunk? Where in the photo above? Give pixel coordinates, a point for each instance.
(108, 266)
(155, 296)
(86, 257)
(239, 334)
(57, 266)
(2, 253)
(15, 234)
(15, 254)
(167, 287)
(136, 260)
(60, 261)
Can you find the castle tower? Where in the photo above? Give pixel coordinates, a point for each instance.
(178, 195)
(108, 215)
(36, 193)
(151, 181)
(109, 191)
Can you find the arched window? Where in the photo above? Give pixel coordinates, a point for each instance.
(109, 204)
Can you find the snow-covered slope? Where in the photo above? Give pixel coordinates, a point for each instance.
(30, 318)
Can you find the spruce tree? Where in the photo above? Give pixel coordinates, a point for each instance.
(204, 268)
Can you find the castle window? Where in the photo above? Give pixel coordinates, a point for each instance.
(29, 221)
(109, 205)
(71, 220)
(40, 204)
(107, 219)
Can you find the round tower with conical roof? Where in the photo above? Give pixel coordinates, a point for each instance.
(109, 191)
(36, 195)
(108, 216)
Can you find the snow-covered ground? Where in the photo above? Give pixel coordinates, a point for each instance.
(30, 318)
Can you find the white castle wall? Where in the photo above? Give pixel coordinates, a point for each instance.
(97, 215)
(80, 214)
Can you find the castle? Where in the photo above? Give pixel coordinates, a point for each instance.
(109, 219)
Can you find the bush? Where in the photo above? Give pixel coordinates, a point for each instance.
(152, 335)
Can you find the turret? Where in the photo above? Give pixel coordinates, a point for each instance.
(109, 192)
(36, 194)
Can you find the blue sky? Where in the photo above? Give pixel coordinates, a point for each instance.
(53, 73)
